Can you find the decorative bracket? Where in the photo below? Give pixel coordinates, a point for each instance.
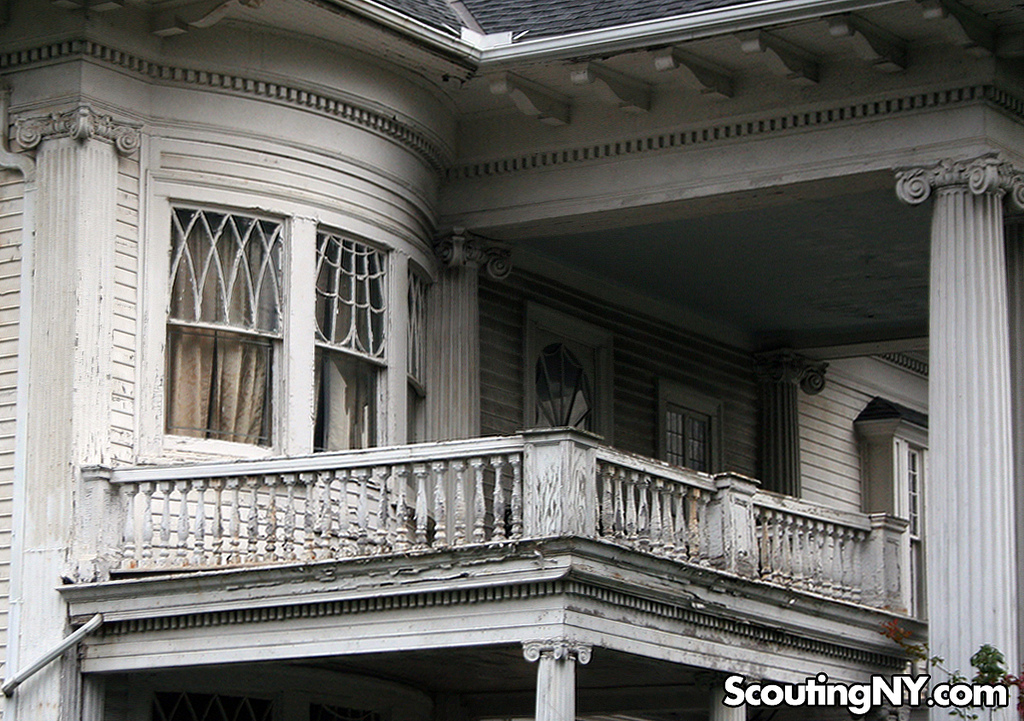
(82, 123)
(975, 32)
(200, 14)
(984, 174)
(460, 248)
(712, 78)
(613, 87)
(785, 366)
(557, 649)
(532, 99)
(882, 49)
(786, 59)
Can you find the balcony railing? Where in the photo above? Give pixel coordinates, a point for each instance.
(429, 497)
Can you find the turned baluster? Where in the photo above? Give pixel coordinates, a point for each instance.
(606, 516)
(515, 460)
(199, 528)
(234, 518)
(679, 535)
(619, 504)
(419, 470)
(385, 526)
(181, 530)
(217, 522)
(270, 547)
(322, 507)
(147, 522)
(400, 477)
(696, 524)
(252, 526)
(630, 484)
(479, 505)
(308, 481)
(165, 522)
(498, 463)
(459, 535)
(656, 486)
(288, 547)
(127, 493)
(346, 532)
(440, 513)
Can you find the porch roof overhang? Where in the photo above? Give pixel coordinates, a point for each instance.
(487, 595)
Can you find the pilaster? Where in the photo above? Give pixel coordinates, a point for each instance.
(779, 373)
(556, 676)
(969, 495)
(453, 394)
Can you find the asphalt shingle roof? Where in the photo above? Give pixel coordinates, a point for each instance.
(436, 13)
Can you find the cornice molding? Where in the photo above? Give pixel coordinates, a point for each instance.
(81, 123)
(691, 617)
(986, 174)
(344, 109)
(748, 128)
(461, 248)
(902, 360)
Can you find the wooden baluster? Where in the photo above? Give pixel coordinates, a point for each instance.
(817, 544)
(346, 533)
(199, 529)
(606, 498)
(828, 558)
(217, 522)
(515, 460)
(181, 532)
(459, 535)
(400, 479)
(322, 506)
(630, 483)
(856, 584)
(362, 486)
(288, 546)
(620, 487)
(128, 560)
(234, 518)
(147, 523)
(419, 470)
(479, 502)
(656, 486)
(165, 523)
(270, 548)
(440, 512)
(679, 535)
(643, 511)
(385, 526)
(308, 481)
(498, 463)
(252, 526)
(696, 525)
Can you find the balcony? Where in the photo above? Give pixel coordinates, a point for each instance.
(484, 492)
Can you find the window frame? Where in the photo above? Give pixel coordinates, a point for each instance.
(677, 394)
(542, 319)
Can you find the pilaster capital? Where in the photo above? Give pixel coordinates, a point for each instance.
(981, 175)
(557, 649)
(785, 366)
(81, 123)
(461, 248)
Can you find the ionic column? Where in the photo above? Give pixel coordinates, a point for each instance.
(779, 373)
(969, 495)
(556, 676)
(719, 711)
(453, 384)
(1015, 290)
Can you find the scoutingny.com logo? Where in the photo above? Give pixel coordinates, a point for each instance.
(859, 698)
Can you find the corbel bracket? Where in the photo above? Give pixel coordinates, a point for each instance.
(785, 58)
(532, 99)
(613, 87)
(882, 49)
(975, 32)
(202, 14)
(712, 78)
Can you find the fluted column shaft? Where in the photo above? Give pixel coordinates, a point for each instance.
(556, 676)
(969, 496)
(1015, 291)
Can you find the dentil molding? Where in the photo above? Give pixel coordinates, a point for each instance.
(985, 174)
(81, 123)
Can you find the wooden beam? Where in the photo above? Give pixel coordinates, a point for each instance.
(613, 87)
(712, 78)
(785, 58)
(532, 99)
(882, 49)
(975, 32)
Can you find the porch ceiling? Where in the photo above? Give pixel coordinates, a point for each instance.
(801, 265)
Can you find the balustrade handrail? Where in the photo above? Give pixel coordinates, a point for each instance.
(365, 457)
(814, 512)
(655, 468)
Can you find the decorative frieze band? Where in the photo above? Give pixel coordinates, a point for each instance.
(981, 175)
(557, 649)
(461, 248)
(786, 366)
(82, 123)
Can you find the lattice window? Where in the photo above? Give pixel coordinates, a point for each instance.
(351, 295)
(323, 712)
(210, 707)
(225, 314)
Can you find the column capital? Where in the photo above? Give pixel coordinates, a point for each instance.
(985, 174)
(462, 248)
(785, 366)
(81, 123)
(557, 649)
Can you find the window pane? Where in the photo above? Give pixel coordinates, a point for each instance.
(687, 438)
(346, 407)
(218, 385)
(350, 295)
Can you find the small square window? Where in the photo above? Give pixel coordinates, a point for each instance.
(689, 428)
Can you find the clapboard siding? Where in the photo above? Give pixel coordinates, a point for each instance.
(644, 351)
(126, 277)
(11, 205)
(829, 451)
